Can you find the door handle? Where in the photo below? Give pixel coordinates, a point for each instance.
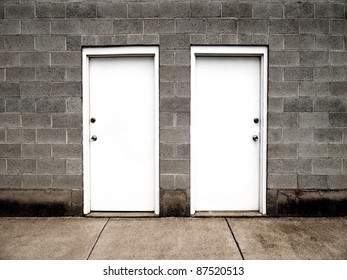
(92, 120)
(256, 120)
(94, 138)
(255, 137)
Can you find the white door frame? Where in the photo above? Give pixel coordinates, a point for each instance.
(92, 52)
(257, 51)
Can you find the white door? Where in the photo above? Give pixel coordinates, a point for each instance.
(225, 136)
(122, 138)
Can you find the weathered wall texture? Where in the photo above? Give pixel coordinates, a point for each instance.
(40, 95)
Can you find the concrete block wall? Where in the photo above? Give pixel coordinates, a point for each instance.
(40, 95)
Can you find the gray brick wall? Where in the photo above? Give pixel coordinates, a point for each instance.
(41, 93)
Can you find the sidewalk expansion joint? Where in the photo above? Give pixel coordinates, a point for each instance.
(97, 239)
(234, 237)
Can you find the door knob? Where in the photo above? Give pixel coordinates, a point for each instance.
(256, 120)
(94, 138)
(255, 138)
(92, 120)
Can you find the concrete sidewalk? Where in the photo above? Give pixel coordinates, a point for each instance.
(173, 238)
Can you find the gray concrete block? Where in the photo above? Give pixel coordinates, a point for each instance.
(198, 39)
(302, 135)
(275, 104)
(74, 136)
(9, 59)
(10, 27)
(128, 26)
(174, 104)
(74, 74)
(50, 74)
(313, 120)
(330, 104)
(174, 41)
(236, 10)
(73, 43)
(51, 136)
(314, 26)
(313, 150)
(20, 74)
(175, 73)
(338, 27)
(338, 58)
(36, 120)
(74, 105)
(74, 166)
(229, 39)
(313, 88)
(48, 105)
(289, 166)
(314, 58)
(50, 43)
(299, 42)
(9, 120)
(268, 10)
(40, 89)
(252, 26)
(338, 89)
(284, 58)
(2, 136)
(36, 150)
(227, 26)
(166, 119)
(174, 9)
(327, 166)
(21, 166)
(50, 10)
(329, 42)
(155, 26)
(183, 151)
(10, 150)
(36, 181)
(282, 151)
(298, 74)
(298, 104)
(21, 136)
(66, 26)
(299, 10)
(143, 10)
(313, 182)
(166, 151)
(205, 10)
(35, 59)
(274, 136)
(2, 106)
(330, 10)
(182, 182)
(338, 119)
(67, 150)
(77, 197)
(167, 57)
(51, 166)
(337, 150)
(9, 89)
(276, 42)
(282, 120)
(66, 59)
(134, 39)
(3, 166)
(190, 25)
(284, 26)
(213, 39)
(96, 26)
(276, 74)
(80, 10)
(19, 43)
(10, 181)
(67, 181)
(282, 181)
(326, 135)
(182, 89)
(112, 10)
(40, 27)
(337, 182)
(167, 88)
(174, 166)
(23, 10)
(345, 166)
(183, 119)
(151, 39)
(67, 121)
(174, 135)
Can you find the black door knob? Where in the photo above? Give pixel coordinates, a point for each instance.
(256, 120)
(255, 138)
(92, 120)
(94, 138)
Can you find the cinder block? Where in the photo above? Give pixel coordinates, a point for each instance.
(174, 203)
(329, 74)
(40, 89)
(74, 105)
(50, 10)
(314, 26)
(175, 73)
(245, 39)
(166, 151)
(66, 26)
(96, 26)
(313, 120)
(19, 43)
(236, 10)
(182, 89)
(205, 10)
(268, 10)
(227, 26)
(174, 135)
(2, 106)
(283, 181)
(337, 182)
(284, 58)
(298, 73)
(183, 151)
(338, 89)
(10, 150)
(73, 43)
(337, 150)
(143, 10)
(40, 27)
(330, 10)
(36, 120)
(50, 74)
(20, 74)
(191, 26)
(276, 74)
(183, 119)
(327, 135)
(182, 181)
(327, 166)
(51, 136)
(3, 166)
(50, 43)
(289, 166)
(252, 26)
(213, 39)
(2, 138)
(21, 166)
(271, 201)
(284, 26)
(299, 10)
(34, 59)
(345, 166)
(174, 166)
(302, 135)
(282, 120)
(67, 181)
(74, 74)
(167, 88)
(174, 9)
(10, 181)
(67, 121)
(229, 39)
(338, 27)
(174, 41)
(313, 182)
(77, 197)
(338, 58)
(167, 58)
(9, 59)
(80, 10)
(151, 39)
(275, 105)
(282, 151)
(134, 39)
(166, 119)
(128, 26)
(330, 104)
(155, 26)
(174, 104)
(21, 136)
(112, 10)
(298, 104)
(66, 59)
(314, 58)
(329, 43)
(167, 181)
(23, 10)
(10, 27)
(276, 42)
(313, 88)
(36, 150)
(199, 39)
(9, 120)
(74, 136)
(313, 150)
(299, 42)
(338, 119)
(274, 136)
(51, 166)
(36, 181)
(67, 151)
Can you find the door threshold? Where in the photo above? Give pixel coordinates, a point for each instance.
(104, 214)
(242, 214)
